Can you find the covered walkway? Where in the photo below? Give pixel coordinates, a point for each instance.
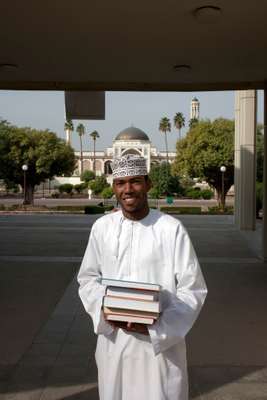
(54, 359)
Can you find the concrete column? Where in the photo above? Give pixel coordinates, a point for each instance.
(237, 157)
(245, 159)
(264, 224)
(68, 136)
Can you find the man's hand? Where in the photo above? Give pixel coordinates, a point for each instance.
(130, 327)
(137, 328)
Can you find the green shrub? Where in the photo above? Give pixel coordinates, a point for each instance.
(216, 210)
(66, 188)
(107, 192)
(55, 195)
(98, 184)
(97, 209)
(193, 193)
(2, 207)
(206, 194)
(154, 193)
(80, 187)
(87, 176)
(94, 210)
(259, 197)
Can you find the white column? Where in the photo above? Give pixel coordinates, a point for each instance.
(245, 159)
(264, 223)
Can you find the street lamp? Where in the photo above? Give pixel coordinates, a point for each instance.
(223, 169)
(24, 169)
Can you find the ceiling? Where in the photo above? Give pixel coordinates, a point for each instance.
(133, 45)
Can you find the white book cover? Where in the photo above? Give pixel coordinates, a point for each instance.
(138, 294)
(131, 304)
(130, 284)
(128, 318)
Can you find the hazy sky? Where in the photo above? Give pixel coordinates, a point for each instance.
(46, 110)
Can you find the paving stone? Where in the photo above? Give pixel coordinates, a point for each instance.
(44, 349)
(6, 371)
(23, 392)
(257, 374)
(70, 373)
(31, 374)
(74, 360)
(75, 392)
(38, 360)
(234, 391)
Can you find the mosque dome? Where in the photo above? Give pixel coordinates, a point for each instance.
(132, 133)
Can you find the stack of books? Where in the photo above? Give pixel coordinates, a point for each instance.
(128, 301)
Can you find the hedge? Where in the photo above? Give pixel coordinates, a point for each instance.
(181, 210)
(97, 209)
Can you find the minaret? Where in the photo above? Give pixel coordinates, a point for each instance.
(194, 110)
(68, 136)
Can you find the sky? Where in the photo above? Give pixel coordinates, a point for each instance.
(46, 110)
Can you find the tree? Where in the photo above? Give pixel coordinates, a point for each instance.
(207, 146)
(179, 122)
(87, 176)
(81, 131)
(162, 185)
(94, 135)
(45, 154)
(68, 127)
(98, 184)
(192, 122)
(165, 126)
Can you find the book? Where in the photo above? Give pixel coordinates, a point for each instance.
(130, 284)
(138, 294)
(137, 313)
(130, 318)
(131, 304)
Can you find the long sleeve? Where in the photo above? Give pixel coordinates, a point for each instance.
(180, 309)
(91, 291)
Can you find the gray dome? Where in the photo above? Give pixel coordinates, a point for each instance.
(132, 133)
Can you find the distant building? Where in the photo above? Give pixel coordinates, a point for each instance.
(129, 141)
(194, 109)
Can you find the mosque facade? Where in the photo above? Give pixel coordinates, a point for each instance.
(131, 140)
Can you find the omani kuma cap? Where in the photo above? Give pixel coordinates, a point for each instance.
(129, 165)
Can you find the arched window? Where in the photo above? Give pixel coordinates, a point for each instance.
(107, 168)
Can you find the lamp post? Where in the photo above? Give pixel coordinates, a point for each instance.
(24, 169)
(223, 169)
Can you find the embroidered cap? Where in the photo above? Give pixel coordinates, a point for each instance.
(129, 165)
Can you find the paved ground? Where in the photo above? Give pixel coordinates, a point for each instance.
(47, 344)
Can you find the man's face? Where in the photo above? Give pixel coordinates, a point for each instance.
(131, 192)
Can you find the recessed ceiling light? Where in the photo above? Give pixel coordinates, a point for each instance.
(182, 67)
(8, 67)
(207, 14)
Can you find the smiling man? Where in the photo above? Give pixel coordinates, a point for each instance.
(137, 361)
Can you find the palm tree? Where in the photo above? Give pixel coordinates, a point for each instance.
(68, 127)
(94, 135)
(179, 122)
(81, 131)
(165, 126)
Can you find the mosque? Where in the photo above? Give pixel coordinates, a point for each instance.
(131, 140)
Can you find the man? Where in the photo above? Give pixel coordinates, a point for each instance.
(137, 362)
